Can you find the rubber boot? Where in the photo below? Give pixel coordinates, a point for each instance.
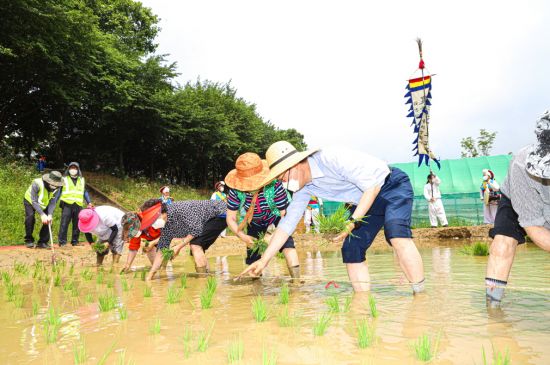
(201, 269)
(295, 274)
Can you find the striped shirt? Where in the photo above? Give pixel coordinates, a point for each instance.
(262, 214)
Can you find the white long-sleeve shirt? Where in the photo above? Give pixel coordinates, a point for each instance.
(432, 190)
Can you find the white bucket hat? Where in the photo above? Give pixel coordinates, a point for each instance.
(538, 160)
(281, 156)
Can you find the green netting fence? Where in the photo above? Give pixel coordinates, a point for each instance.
(460, 184)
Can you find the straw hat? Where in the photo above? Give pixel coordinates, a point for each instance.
(281, 156)
(250, 170)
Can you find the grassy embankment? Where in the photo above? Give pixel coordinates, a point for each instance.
(15, 178)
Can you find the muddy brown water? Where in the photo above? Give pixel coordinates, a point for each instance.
(452, 309)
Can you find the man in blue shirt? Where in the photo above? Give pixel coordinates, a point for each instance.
(381, 197)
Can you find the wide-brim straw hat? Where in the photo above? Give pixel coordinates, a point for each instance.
(281, 156)
(53, 178)
(249, 173)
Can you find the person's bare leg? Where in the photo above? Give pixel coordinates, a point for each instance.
(359, 276)
(156, 266)
(201, 263)
(292, 262)
(151, 256)
(129, 260)
(499, 265)
(116, 258)
(410, 261)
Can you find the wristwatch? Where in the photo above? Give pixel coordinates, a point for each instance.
(356, 222)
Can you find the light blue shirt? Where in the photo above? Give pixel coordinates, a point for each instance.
(340, 175)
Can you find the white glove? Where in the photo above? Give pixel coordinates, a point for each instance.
(50, 218)
(44, 218)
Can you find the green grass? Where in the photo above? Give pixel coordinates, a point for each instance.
(122, 313)
(235, 351)
(372, 306)
(183, 281)
(425, 348)
(476, 249)
(80, 355)
(285, 318)
(321, 324)
(147, 292)
(173, 295)
(335, 223)
(203, 339)
(52, 323)
(154, 329)
(260, 244)
(107, 302)
(259, 309)
(284, 294)
(269, 357)
(499, 358)
(365, 334)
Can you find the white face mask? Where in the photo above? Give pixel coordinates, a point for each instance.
(222, 189)
(73, 172)
(138, 234)
(485, 177)
(292, 185)
(159, 223)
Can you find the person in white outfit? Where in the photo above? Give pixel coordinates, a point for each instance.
(432, 194)
(490, 195)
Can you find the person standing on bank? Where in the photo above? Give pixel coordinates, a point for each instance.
(220, 194)
(432, 194)
(490, 195)
(165, 195)
(71, 198)
(382, 197)
(40, 197)
(524, 208)
(264, 205)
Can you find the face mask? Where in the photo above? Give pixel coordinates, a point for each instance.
(222, 189)
(73, 172)
(138, 234)
(485, 178)
(292, 185)
(159, 223)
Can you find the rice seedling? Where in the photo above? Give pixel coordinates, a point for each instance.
(69, 285)
(154, 329)
(107, 302)
(187, 336)
(499, 358)
(110, 283)
(57, 279)
(124, 284)
(99, 279)
(365, 334)
(211, 283)
(321, 324)
(206, 298)
(259, 309)
(86, 275)
(143, 275)
(269, 358)
(6, 277)
(11, 291)
(284, 294)
(280, 255)
(20, 268)
(18, 300)
(74, 292)
(122, 313)
(236, 351)
(285, 319)
(372, 305)
(331, 225)
(260, 245)
(80, 355)
(71, 270)
(183, 281)
(106, 354)
(476, 249)
(203, 338)
(112, 270)
(99, 247)
(424, 348)
(52, 323)
(167, 254)
(147, 292)
(122, 359)
(89, 298)
(135, 274)
(333, 304)
(173, 295)
(35, 306)
(347, 304)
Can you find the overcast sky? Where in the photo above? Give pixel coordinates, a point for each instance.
(337, 71)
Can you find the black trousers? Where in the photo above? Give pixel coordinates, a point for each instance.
(69, 214)
(44, 235)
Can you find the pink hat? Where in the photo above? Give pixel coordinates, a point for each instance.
(87, 220)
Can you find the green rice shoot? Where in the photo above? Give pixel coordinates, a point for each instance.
(183, 281)
(321, 324)
(259, 245)
(99, 247)
(424, 348)
(173, 295)
(286, 319)
(155, 327)
(35, 306)
(80, 355)
(124, 284)
(333, 304)
(52, 323)
(269, 358)
(99, 279)
(18, 300)
(211, 283)
(476, 249)
(259, 309)
(203, 339)
(499, 358)
(89, 298)
(107, 302)
(206, 298)
(187, 336)
(86, 275)
(365, 334)
(284, 294)
(122, 313)
(372, 306)
(147, 292)
(235, 351)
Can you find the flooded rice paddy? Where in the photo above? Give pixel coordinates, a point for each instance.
(143, 328)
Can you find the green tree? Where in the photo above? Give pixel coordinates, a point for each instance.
(480, 147)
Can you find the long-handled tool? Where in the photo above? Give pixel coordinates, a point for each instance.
(51, 243)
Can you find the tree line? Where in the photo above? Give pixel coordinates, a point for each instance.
(80, 80)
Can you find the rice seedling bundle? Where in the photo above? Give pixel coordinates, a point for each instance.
(259, 309)
(424, 348)
(476, 249)
(211, 283)
(99, 247)
(321, 324)
(69, 285)
(333, 304)
(206, 298)
(334, 224)
(107, 302)
(6, 277)
(284, 295)
(260, 245)
(365, 334)
(167, 254)
(236, 351)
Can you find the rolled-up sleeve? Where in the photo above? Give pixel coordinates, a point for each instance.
(295, 211)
